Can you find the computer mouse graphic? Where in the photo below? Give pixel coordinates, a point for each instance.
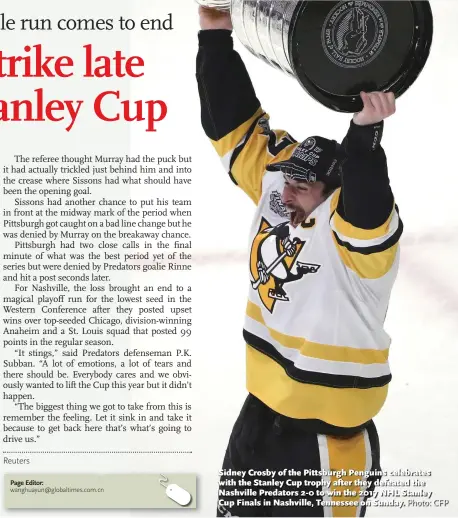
(178, 494)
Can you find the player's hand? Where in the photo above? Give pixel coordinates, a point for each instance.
(214, 19)
(377, 106)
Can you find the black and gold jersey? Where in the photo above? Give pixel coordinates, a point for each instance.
(318, 293)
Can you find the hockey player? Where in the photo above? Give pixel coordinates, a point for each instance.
(324, 256)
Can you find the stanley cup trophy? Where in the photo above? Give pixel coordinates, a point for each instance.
(337, 49)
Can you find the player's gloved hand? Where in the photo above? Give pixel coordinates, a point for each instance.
(211, 19)
(289, 247)
(377, 106)
(262, 272)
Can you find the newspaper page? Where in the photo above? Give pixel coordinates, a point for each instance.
(223, 292)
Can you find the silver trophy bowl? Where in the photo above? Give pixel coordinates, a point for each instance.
(262, 26)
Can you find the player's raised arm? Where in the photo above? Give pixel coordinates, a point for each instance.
(231, 113)
(366, 221)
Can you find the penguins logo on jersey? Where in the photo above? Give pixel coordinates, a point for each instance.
(273, 262)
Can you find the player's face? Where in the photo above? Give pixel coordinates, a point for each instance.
(301, 198)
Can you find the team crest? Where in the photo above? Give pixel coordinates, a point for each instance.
(273, 262)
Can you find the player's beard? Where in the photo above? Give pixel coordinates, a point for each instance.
(296, 215)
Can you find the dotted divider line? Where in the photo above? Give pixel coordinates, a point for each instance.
(28, 452)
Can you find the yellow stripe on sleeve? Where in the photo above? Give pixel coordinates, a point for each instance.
(229, 142)
(370, 266)
(347, 229)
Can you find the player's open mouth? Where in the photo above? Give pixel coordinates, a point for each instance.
(296, 217)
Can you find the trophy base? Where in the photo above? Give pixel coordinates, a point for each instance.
(339, 49)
